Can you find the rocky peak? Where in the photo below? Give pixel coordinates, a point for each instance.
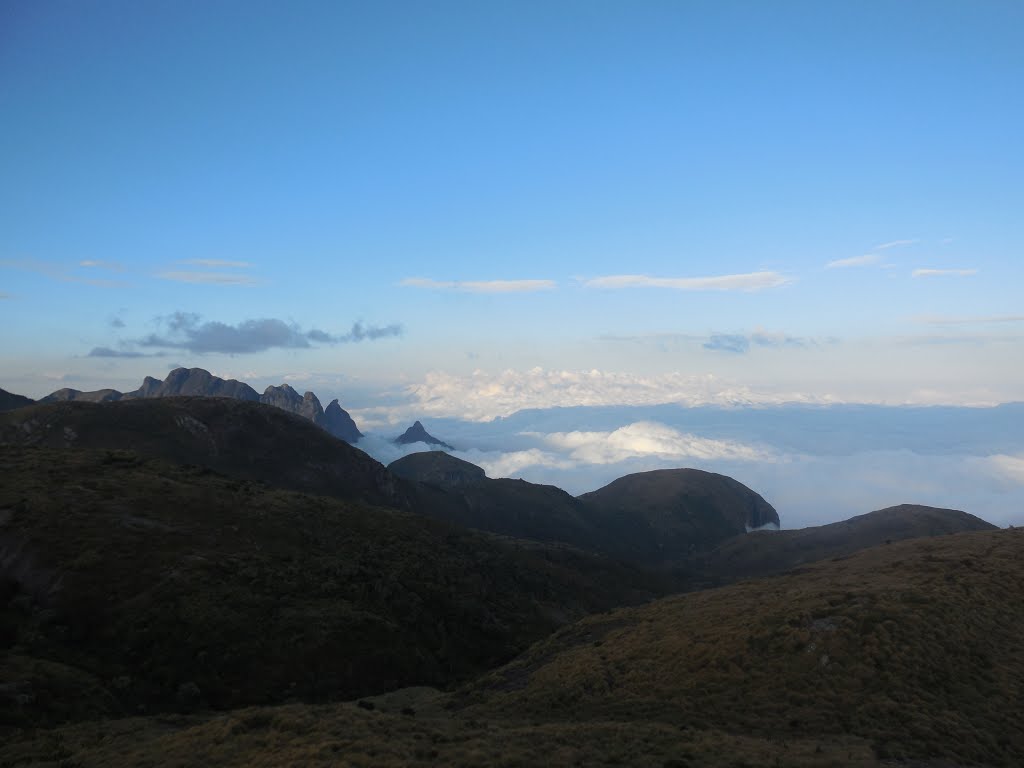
(418, 434)
(337, 421)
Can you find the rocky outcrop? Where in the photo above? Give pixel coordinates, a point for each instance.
(67, 395)
(417, 434)
(195, 382)
(287, 399)
(337, 421)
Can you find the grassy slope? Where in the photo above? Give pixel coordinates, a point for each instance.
(128, 582)
(910, 651)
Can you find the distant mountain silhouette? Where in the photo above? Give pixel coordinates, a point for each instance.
(198, 382)
(437, 468)
(417, 434)
(671, 513)
(9, 401)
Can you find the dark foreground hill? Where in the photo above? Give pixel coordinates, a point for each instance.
(243, 439)
(766, 552)
(136, 585)
(907, 654)
(9, 401)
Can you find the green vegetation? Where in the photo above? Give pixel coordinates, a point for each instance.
(136, 585)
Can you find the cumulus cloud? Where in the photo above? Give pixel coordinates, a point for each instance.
(943, 272)
(647, 438)
(855, 261)
(187, 331)
(748, 282)
(480, 286)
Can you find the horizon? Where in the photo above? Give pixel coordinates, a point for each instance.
(468, 211)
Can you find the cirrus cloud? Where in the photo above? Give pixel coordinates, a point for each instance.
(943, 272)
(480, 286)
(747, 282)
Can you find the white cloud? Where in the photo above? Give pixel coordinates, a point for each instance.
(749, 282)
(1008, 467)
(968, 320)
(113, 266)
(480, 286)
(209, 278)
(854, 261)
(215, 263)
(943, 272)
(894, 244)
(647, 439)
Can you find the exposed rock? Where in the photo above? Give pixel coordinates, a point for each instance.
(417, 434)
(337, 422)
(287, 399)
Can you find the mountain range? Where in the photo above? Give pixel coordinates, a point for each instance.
(219, 568)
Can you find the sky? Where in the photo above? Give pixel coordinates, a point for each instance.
(463, 209)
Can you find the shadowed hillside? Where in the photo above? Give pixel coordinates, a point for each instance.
(9, 401)
(669, 513)
(763, 553)
(907, 654)
(243, 439)
(129, 584)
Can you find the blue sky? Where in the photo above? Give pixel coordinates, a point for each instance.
(466, 208)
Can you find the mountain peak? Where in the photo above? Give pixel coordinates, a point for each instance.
(417, 433)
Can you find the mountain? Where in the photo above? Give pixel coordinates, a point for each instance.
(437, 468)
(68, 395)
(9, 401)
(763, 553)
(417, 434)
(670, 513)
(198, 382)
(246, 440)
(136, 585)
(194, 382)
(337, 421)
(902, 655)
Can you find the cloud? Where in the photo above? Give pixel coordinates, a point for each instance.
(943, 272)
(739, 343)
(4, 295)
(113, 266)
(968, 320)
(217, 263)
(209, 278)
(480, 286)
(115, 322)
(109, 352)
(728, 342)
(749, 282)
(895, 244)
(648, 439)
(58, 272)
(184, 330)
(854, 261)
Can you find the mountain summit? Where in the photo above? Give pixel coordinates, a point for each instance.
(417, 434)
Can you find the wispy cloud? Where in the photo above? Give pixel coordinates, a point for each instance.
(187, 331)
(943, 272)
(854, 261)
(210, 278)
(894, 244)
(57, 272)
(740, 343)
(217, 263)
(113, 266)
(968, 319)
(480, 286)
(4, 295)
(749, 282)
(130, 353)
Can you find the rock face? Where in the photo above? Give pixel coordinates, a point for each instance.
(198, 382)
(337, 421)
(9, 401)
(417, 434)
(437, 468)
